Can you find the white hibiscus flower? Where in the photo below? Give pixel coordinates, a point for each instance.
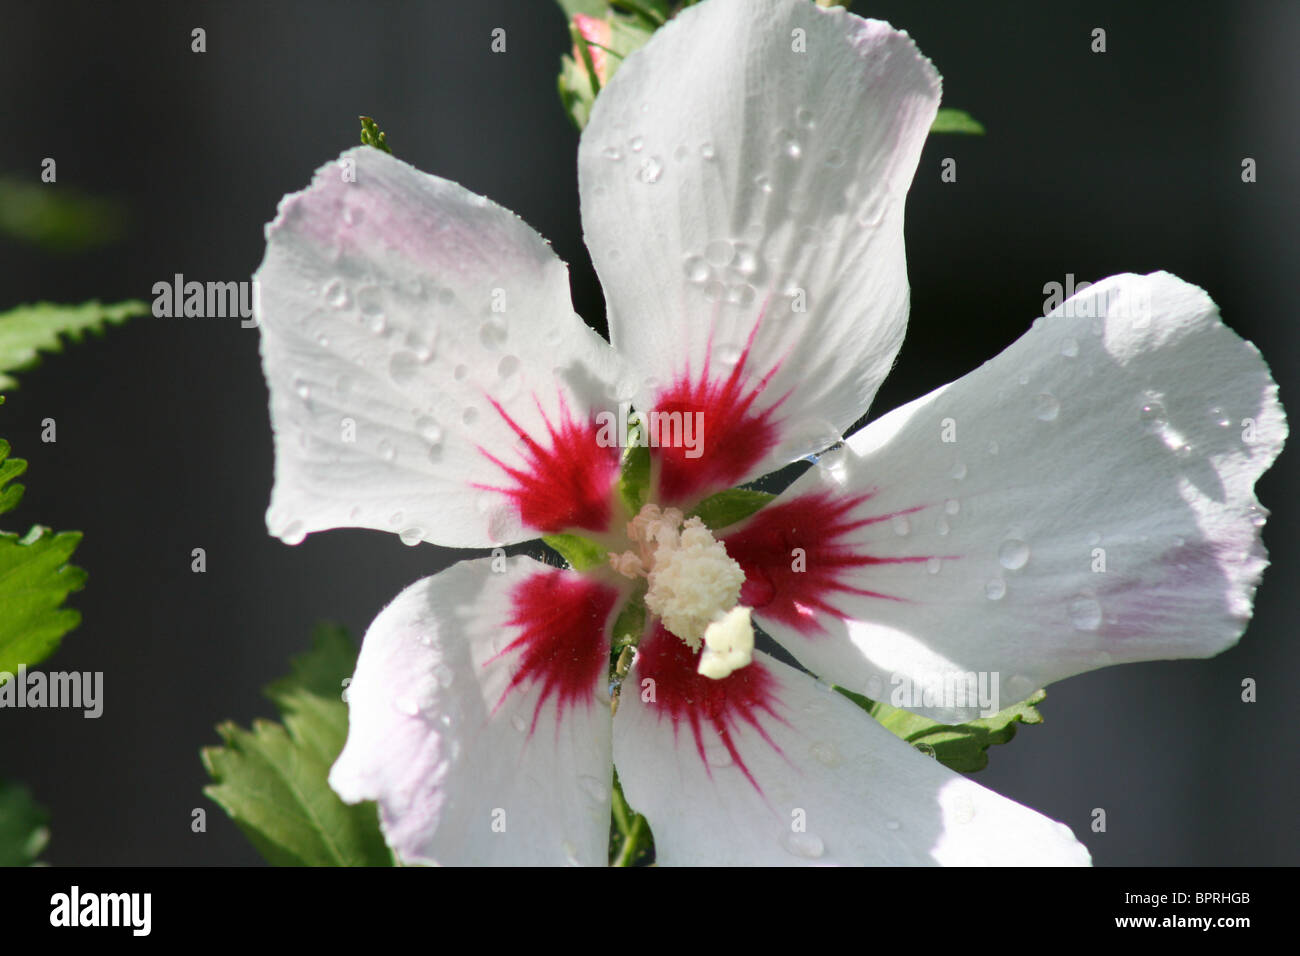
(743, 201)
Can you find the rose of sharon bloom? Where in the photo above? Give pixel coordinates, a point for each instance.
(1083, 499)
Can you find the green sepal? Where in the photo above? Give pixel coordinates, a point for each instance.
(630, 841)
(24, 826)
(956, 121)
(727, 507)
(960, 747)
(630, 623)
(581, 553)
(634, 478)
(273, 780)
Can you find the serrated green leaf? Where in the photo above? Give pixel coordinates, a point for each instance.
(961, 747)
(727, 507)
(956, 121)
(273, 780)
(581, 553)
(28, 330)
(35, 579)
(24, 826)
(10, 468)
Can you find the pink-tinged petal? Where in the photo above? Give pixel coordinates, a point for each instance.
(810, 780)
(744, 174)
(427, 373)
(479, 718)
(1089, 495)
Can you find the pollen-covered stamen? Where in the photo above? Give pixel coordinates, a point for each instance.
(693, 586)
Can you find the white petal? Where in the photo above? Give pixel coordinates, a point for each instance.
(813, 780)
(476, 719)
(395, 310)
(722, 171)
(1095, 507)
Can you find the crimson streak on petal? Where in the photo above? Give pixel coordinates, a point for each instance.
(718, 707)
(817, 523)
(734, 435)
(563, 645)
(566, 485)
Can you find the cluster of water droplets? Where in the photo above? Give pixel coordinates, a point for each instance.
(726, 270)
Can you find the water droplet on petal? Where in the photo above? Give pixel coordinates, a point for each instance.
(1070, 348)
(952, 506)
(995, 589)
(804, 117)
(1046, 407)
(958, 471)
(900, 524)
(697, 270)
(386, 450)
(651, 169)
(720, 252)
(402, 367)
(1152, 413)
(612, 153)
(808, 846)
(826, 754)
(508, 366)
(1085, 613)
(835, 158)
(707, 151)
(469, 416)
(337, 295)
(1013, 554)
(893, 825)
(411, 537)
(933, 565)
(519, 723)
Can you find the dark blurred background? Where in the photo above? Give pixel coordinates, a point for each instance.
(1093, 164)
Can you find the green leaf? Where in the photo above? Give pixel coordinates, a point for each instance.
(727, 507)
(592, 8)
(35, 579)
(956, 121)
(961, 747)
(24, 826)
(10, 468)
(372, 135)
(273, 780)
(581, 553)
(31, 329)
(58, 218)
